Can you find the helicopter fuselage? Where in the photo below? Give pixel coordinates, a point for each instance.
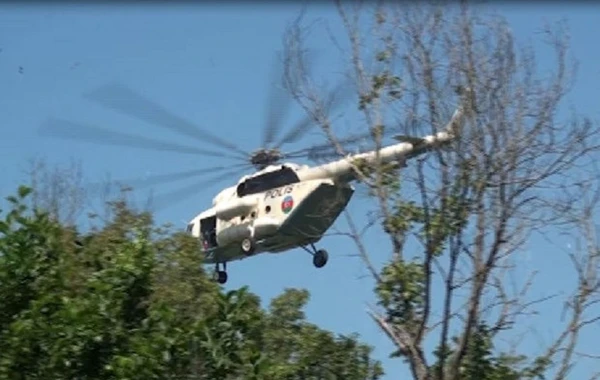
(297, 213)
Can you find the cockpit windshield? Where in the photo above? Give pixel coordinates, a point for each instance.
(267, 181)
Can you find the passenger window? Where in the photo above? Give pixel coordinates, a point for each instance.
(267, 181)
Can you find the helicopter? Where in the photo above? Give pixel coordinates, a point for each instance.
(282, 205)
(287, 206)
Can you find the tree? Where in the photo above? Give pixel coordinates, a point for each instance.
(130, 300)
(458, 218)
(58, 190)
(300, 350)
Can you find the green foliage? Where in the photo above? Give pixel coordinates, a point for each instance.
(384, 177)
(405, 215)
(133, 302)
(300, 350)
(400, 292)
(380, 82)
(482, 363)
(444, 222)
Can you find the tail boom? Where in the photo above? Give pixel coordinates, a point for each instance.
(398, 152)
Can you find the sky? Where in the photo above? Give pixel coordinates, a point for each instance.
(212, 64)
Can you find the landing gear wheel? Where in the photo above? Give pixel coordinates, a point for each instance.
(248, 246)
(220, 275)
(320, 258)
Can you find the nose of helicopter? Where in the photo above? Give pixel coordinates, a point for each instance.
(189, 229)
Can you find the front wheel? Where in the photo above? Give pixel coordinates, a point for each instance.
(320, 258)
(220, 277)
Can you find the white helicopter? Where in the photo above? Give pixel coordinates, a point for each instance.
(287, 206)
(281, 206)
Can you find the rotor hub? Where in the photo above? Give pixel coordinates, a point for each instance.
(265, 157)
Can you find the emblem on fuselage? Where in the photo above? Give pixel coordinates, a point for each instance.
(287, 204)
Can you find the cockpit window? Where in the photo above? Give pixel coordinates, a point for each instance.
(190, 228)
(267, 181)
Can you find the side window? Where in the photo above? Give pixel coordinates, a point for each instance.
(267, 181)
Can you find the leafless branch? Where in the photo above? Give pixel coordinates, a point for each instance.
(515, 170)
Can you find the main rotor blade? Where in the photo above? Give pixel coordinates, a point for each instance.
(302, 127)
(166, 178)
(328, 150)
(125, 100)
(349, 140)
(186, 192)
(295, 133)
(278, 105)
(56, 127)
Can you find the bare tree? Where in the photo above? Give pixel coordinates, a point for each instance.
(60, 191)
(581, 305)
(63, 192)
(458, 217)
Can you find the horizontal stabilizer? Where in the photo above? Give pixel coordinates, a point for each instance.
(409, 139)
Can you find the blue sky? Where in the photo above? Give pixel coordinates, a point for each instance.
(211, 64)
